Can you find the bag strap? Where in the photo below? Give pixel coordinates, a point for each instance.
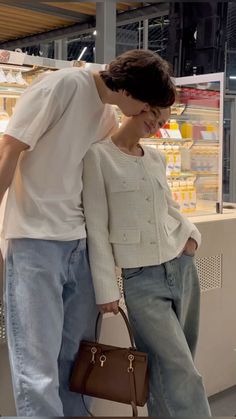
(133, 401)
(127, 326)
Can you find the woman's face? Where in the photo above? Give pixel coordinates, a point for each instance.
(148, 123)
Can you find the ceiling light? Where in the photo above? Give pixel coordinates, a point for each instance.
(82, 53)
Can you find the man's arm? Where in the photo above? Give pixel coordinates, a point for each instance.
(10, 150)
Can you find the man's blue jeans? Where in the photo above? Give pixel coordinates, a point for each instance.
(50, 307)
(163, 307)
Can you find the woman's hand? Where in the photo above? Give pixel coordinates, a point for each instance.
(190, 247)
(112, 307)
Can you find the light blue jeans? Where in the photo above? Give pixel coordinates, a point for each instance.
(50, 307)
(163, 307)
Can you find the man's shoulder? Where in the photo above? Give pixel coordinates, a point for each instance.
(63, 78)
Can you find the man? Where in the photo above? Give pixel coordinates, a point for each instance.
(50, 303)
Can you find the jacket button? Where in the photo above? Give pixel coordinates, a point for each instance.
(143, 178)
(153, 243)
(124, 237)
(148, 199)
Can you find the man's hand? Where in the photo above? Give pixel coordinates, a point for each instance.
(190, 247)
(112, 307)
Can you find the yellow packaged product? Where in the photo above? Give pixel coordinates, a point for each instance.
(187, 130)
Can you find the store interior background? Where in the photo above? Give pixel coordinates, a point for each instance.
(196, 38)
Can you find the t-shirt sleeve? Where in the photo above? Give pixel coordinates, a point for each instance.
(37, 111)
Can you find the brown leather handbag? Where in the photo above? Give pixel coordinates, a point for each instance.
(110, 372)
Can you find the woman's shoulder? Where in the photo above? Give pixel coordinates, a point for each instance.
(154, 153)
(98, 148)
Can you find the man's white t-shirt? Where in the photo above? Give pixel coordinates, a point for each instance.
(59, 117)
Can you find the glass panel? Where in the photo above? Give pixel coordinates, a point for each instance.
(226, 150)
(190, 141)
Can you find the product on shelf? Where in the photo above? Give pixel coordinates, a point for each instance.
(169, 160)
(20, 79)
(192, 195)
(177, 160)
(207, 188)
(2, 76)
(184, 193)
(173, 158)
(176, 192)
(173, 124)
(187, 130)
(10, 77)
(204, 159)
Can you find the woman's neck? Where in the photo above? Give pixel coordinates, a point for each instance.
(126, 141)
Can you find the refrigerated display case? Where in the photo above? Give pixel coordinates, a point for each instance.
(17, 71)
(192, 143)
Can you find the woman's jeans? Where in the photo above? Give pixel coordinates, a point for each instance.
(50, 307)
(163, 307)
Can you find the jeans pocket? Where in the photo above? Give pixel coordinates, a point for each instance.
(129, 273)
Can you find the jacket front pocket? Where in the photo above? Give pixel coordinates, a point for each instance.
(124, 185)
(171, 225)
(124, 236)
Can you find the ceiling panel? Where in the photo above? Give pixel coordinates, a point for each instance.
(21, 18)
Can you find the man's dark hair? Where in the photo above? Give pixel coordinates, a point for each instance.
(144, 75)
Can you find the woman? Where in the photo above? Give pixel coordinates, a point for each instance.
(133, 223)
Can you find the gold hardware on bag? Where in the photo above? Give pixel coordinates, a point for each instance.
(102, 359)
(93, 350)
(130, 358)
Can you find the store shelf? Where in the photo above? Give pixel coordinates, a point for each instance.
(181, 175)
(198, 173)
(177, 140)
(12, 90)
(163, 140)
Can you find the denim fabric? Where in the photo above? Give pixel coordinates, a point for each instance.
(163, 307)
(50, 307)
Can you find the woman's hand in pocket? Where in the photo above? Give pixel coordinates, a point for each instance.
(112, 307)
(190, 247)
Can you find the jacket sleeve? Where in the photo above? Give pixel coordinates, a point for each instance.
(96, 214)
(174, 211)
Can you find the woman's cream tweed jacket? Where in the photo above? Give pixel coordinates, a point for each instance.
(131, 218)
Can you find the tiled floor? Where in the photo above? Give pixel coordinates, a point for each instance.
(224, 403)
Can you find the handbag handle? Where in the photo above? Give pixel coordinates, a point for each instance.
(127, 325)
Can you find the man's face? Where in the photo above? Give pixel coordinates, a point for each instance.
(130, 106)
